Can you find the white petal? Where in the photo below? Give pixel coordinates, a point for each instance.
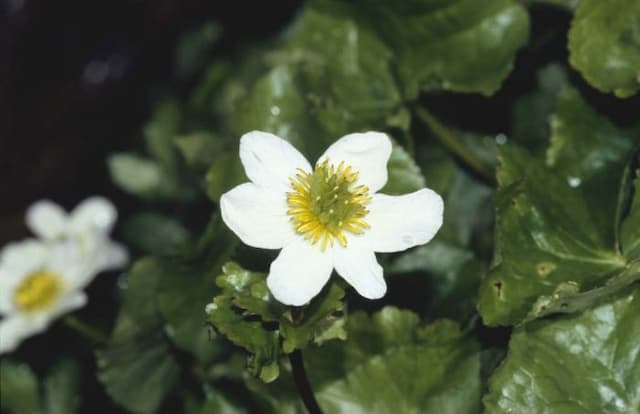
(269, 160)
(113, 256)
(368, 153)
(13, 329)
(17, 259)
(257, 215)
(70, 302)
(95, 215)
(6, 300)
(400, 222)
(46, 219)
(299, 272)
(17, 326)
(74, 263)
(357, 264)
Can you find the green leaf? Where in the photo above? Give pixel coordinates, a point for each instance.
(347, 69)
(321, 321)
(468, 206)
(456, 275)
(277, 397)
(249, 292)
(546, 240)
(225, 172)
(61, 387)
(247, 314)
(262, 344)
(531, 113)
(604, 44)
(160, 131)
(216, 403)
(436, 42)
(137, 367)
(245, 294)
(185, 285)
(332, 77)
(19, 393)
(140, 176)
(153, 232)
(390, 364)
(630, 229)
(404, 174)
(183, 292)
(590, 153)
(585, 363)
(199, 149)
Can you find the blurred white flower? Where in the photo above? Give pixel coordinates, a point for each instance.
(328, 217)
(41, 279)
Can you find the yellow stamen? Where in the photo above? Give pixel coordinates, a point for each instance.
(38, 291)
(326, 203)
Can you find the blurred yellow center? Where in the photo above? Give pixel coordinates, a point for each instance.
(327, 203)
(39, 290)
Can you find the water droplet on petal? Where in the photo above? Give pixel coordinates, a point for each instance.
(408, 239)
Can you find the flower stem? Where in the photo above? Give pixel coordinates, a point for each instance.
(302, 382)
(85, 330)
(454, 144)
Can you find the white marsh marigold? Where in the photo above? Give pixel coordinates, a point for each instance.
(326, 217)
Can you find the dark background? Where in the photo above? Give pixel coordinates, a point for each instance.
(76, 83)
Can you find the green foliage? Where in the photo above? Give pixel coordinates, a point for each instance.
(247, 314)
(604, 44)
(589, 152)
(427, 366)
(137, 367)
(404, 174)
(582, 363)
(455, 272)
(530, 113)
(556, 233)
(630, 224)
(140, 176)
(21, 392)
(152, 232)
(436, 42)
(61, 386)
(160, 176)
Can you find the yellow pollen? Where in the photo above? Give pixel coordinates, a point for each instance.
(38, 291)
(325, 203)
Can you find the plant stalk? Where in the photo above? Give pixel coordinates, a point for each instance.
(455, 144)
(302, 382)
(85, 330)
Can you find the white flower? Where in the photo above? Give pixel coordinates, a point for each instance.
(41, 279)
(89, 223)
(328, 217)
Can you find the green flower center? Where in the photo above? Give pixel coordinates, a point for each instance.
(327, 203)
